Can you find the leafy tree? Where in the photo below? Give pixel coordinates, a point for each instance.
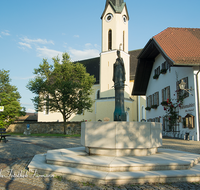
(9, 98)
(65, 87)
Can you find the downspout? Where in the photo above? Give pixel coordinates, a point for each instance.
(197, 107)
(139, 109)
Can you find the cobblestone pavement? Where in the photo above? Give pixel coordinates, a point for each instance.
(16, 154)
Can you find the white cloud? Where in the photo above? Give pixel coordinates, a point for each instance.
(37, 41)
(88, 45)
(6, 33)
(30, 110)
(24, 78)
(83, 54)
(76, 36)
(48, 53)
(25, 44)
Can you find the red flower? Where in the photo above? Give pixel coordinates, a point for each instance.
(168, 100)
(165, 108)
(169, 118)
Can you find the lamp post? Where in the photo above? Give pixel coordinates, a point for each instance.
(182, 87)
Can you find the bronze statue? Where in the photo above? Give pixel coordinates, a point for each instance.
(119, 71)
(119, 79)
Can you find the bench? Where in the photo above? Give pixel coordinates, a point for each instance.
(3, 134)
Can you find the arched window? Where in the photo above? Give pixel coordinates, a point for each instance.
(110, 40)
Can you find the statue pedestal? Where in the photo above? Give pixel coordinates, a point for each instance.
(121, 138)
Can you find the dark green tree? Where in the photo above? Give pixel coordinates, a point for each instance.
(10, 99)
(62, 87)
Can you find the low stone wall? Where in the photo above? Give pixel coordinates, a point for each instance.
(46, 128)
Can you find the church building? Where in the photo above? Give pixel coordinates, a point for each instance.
(115, 20)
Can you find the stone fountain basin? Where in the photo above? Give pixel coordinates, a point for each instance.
(121, 138)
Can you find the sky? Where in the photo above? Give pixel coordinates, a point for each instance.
(31, 30)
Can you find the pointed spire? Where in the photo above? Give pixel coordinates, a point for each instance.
(117, 5)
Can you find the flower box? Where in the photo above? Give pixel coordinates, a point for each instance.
(164, 103)
(148, 108)
(154, 106)
(155, 76)
(163, 71)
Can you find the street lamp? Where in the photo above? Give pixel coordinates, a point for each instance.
(182, 87)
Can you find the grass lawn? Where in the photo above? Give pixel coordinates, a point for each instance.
(45, 135)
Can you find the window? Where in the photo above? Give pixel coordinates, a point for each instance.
(156, 98)
(166, 93)
(157, 119)
(110, 40)
(165, 123)
(156, 72)
(180, 92)
(188, 121)
(149, 101)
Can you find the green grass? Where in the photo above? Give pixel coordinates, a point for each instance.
(45, 135)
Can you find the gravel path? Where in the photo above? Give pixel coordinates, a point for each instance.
(16, 154)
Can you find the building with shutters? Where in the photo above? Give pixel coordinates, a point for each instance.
(169, 59)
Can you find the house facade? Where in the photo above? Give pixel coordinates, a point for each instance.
(115, 19)
(168, 60)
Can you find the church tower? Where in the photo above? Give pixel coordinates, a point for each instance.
(114, 37)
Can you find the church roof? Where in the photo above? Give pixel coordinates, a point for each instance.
(133, 62)
(179, 46)
(93, 65)
(117, 5)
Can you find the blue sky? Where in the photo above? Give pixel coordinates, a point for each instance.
(31, 30)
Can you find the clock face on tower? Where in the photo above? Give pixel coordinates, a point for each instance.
(109, 17)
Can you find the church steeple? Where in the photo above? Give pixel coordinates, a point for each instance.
(114, 37)
(117, 6)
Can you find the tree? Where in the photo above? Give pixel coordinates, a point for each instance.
(65, 87)
(10, 99)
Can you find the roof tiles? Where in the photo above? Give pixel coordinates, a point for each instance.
(181, 45)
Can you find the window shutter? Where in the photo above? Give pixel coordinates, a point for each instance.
(157, 96)
(162, 95)
(159, 70)
(150, 97)
(168, 92)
